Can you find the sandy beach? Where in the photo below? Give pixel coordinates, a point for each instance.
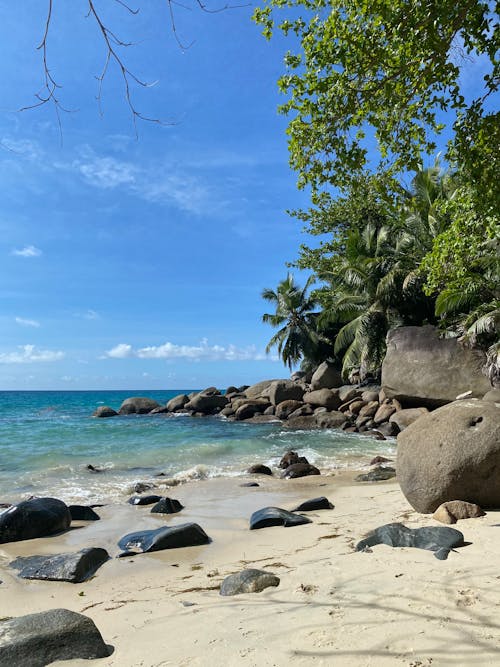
(333, 605)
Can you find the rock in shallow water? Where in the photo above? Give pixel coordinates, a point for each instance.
(174, 537)
(320, 503)
(378, 474)
(36, 640)
(248, 581)
(144, 500)
(438, 539)
(37, 517)
(299, 470)
(83, 513)
(259, 469)
(167, 506)
(72, 567)
(275, 516)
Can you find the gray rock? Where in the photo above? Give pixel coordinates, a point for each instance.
(304, 423)
(303, 411)
(36, 640)
(174, 537)
(455, 510)
(269, 411)
(248, 581)
(326, 376)
(378, 474)
(137, 405)
(439, 540)
(347, 392)
(259, 469)
(144, 500)
(37, 517)
(299, 470)
(289, 458)
(389, 429)
(285, 408)
(324, 398)
(72, 567)
(383, 413)
(231, 390)
(420, 368)
(285, 390)
(83, 513)
(369, 409)
(104, 411)
(330, 419)
(275, 516)
(403, 418)
(207, 402)
(177, 402)
(167, 506)
(248, 409)
(321, 503)
(493, 395)
(259, 389)
(452, 453)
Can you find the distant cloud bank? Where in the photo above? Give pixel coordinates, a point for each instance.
(201, 352)
(28, 354)
(27, 251)
(27, 323)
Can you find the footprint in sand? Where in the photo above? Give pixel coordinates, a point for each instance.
(466, 598)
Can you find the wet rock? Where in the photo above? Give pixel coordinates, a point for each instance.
(72, 567)
(330, 419)
(320, 503)
(137, 405)
(36, 640)
(104, 411)
(92, 468)
(289, 458)
(389, 429)
(144, 500)
(275, 516)
(378, 460)
(455, 510)
(37, 517)
(162, 410)
(378, 474)
(437, 539)
(174, 537)
(249, 484)
(83, 513)
(177, 402)
(140, 487)
(259, 469)
(248, 581)
(167, 506)
(299, 470)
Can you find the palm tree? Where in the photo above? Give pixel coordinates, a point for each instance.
(298, 338)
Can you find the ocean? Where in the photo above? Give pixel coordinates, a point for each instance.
(48, 438)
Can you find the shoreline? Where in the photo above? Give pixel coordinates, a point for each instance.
(333, 605)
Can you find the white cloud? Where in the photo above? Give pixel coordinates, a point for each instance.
(29, 354)
(27, 323)
(106, 172)
(201, 352)
(27, 251)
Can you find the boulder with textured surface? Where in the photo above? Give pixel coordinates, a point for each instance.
(285, 390)
(324, 398)
(104, 411)
(247, 409)
(403, 418)
(333, 419)
(137, 405)
(36, 640)
(299, 470)
(379, 474)
(285, 408)
(72, 567)
(174, 537)
(259, 389)
(384, 412)
(347, 392)
(304, 423)
(275, 516)
(177, 402)
(259, 469)
(248, 581)
(37, 517)
(420, 368)
(452, 453)
(492, 395)
(289, 458)
(206, 402)
(455, 510)
(326, 376)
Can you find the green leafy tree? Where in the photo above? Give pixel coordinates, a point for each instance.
(295, 314)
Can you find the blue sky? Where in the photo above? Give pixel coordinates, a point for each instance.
(139, 262)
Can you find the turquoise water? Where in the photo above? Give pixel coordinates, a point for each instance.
(48, 438)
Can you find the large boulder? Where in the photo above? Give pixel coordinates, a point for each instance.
(324, 398)
(36, 640)
(259, 389)
(177, 402)
(285, 408)
(104, 411)
(420, 368)
(174, 537)
(285, 390)
(330, 419)
(326, 376)
(403, 418)
(248, 408)
(206, 402)
(37, 517)
(137, 405)
(72, 567)
(452, 453)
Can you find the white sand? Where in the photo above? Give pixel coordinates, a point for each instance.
(333, 606)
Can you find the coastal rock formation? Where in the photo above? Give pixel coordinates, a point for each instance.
(299, 470)
(36, 517)
(326, 376)
(285, 408)
(289, 458)
(323, 398)
(420, 368)
(403, 418)
(177, 402)
(137, 405)
(259, 389)
(285, 390)
(174, 537)
(207, 401)
(492, 395)
(455, 510)
(247, 409)
(144, 500)
(83, 513)
(331, 419)
(259, 469)
(36, 640)
(248, 581)
(452, 453)
(167, 506)
(275, 516)
(105, 411)
(378, 474)
(321, 503)
(72, 567)
(439, 540)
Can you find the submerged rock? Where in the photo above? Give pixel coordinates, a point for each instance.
(259, 469)
(36, 640)
(378, 474)
(320, 503)
(137, 405)
(144, 500)
(167, 506)
(440, 540)
(275, 516)
(104, 411)
(72, 567)
(32, 518)
(174, 537)
(83, 513)
(248, 581)
(299, 470)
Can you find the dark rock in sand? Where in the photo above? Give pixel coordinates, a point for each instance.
(437, 539)
(36, 640)
(174, 537)
(104, 411)
(140, 487)
(378, 460)
(455, 510)
(249, 484)
(167, 506)
(299, 470)
(378, 474)
(289, 458)
(37, 517)
(83, 513)
(259, 469)
(275, 516)
(137, 405)
(144, 500)
(72, 567)
(92, 468)
(248, 581)
(320, 503)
